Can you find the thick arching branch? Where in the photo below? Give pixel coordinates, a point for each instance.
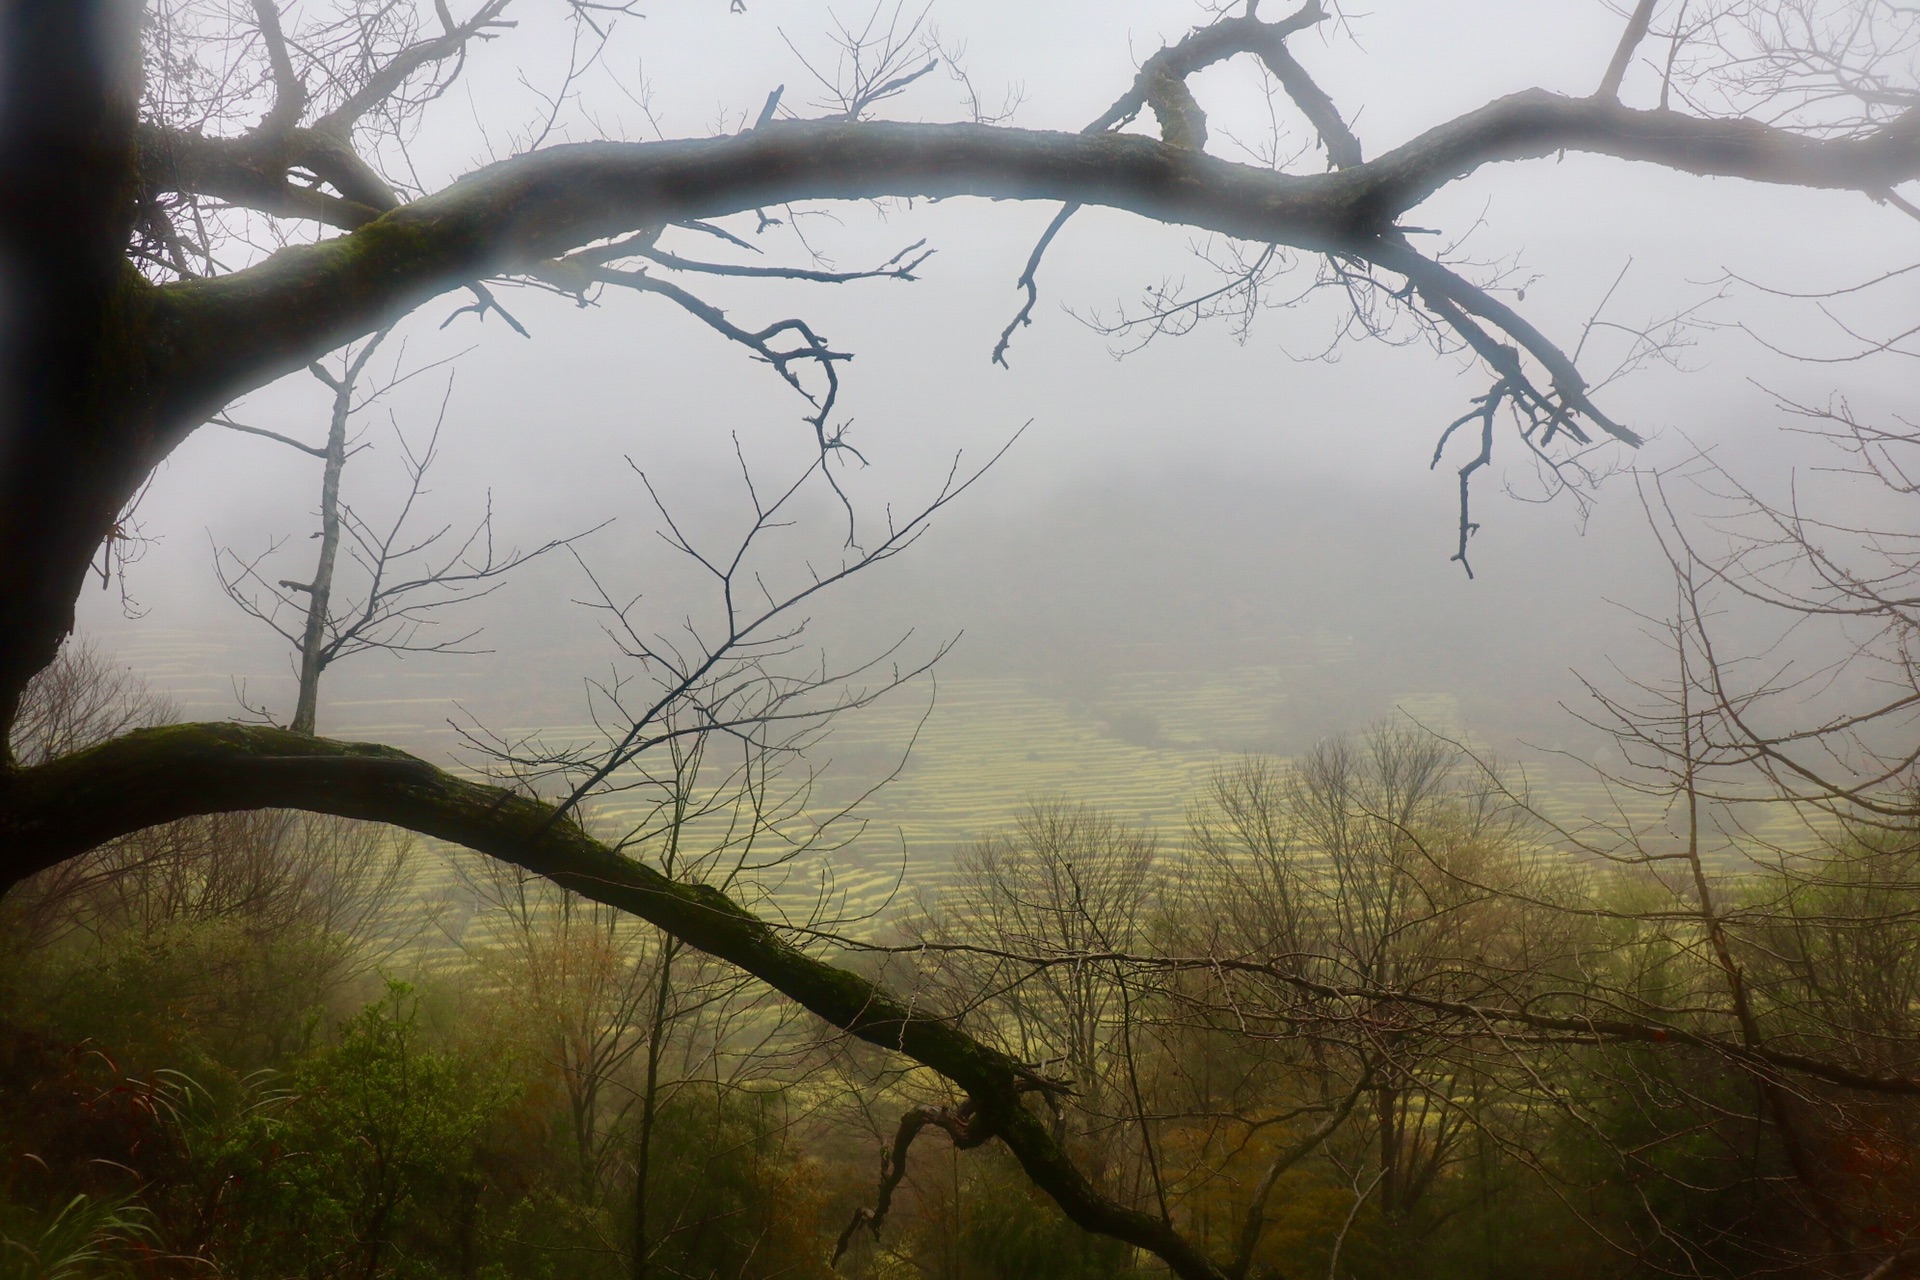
(225, 336)
(182, 351)
(61, 809)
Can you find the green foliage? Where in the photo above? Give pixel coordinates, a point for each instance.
(81, 1239)
(200, 997)
(1009, 1231)
(365, 1160)
(726, 1193)
(546, 1235)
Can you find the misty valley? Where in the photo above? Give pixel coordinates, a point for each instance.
(959, 640)
(1360, 992)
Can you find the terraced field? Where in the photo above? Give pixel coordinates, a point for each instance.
(1139, 744)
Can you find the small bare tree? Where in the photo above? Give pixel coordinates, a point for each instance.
(408, 578)
(705, 768)
(1370, 867)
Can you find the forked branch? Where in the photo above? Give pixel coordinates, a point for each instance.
(963, 1124)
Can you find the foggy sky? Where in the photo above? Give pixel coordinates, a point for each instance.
(1185, 505)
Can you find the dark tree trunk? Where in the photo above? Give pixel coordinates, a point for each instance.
(650, 1109)
(69, 89)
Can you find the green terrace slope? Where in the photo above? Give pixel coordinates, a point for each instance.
(1139, 744)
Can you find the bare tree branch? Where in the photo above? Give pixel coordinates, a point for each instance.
(1637, 24)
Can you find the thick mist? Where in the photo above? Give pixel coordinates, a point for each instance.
(1259, 498)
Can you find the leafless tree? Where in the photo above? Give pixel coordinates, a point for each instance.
(1764, 797)
(1373, 866)
(409, 578)
(702, 753)
(133, 321)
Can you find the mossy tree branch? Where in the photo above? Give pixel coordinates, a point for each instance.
(225, 336)
(63, 808)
